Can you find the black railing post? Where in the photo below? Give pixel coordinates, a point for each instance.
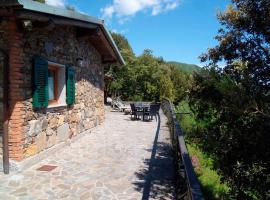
(191, 188)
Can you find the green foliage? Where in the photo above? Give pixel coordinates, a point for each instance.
(124, 47)
(186, 117)
(40, 1)
(181, 83)
(232, 104)
(211, 183)
(234, 132)
(146, 77)
(186, 68)
(203, 163)
(70, 7)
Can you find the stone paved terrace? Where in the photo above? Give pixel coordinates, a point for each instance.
(121, 159)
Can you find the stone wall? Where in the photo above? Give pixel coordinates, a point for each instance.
(32, 131)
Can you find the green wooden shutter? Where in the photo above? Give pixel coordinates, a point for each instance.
(70, 85)
(40, 83)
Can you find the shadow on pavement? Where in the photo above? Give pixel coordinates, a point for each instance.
(156, 177)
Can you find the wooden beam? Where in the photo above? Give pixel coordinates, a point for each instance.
(8, 3)
(23, 14)
(104, 61)
(50, 25)
(82, 32)
(70, 22)
(104, 48)
(108, 46)
(6, 12)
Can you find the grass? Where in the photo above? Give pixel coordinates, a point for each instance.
(208, 177)
(203, 164)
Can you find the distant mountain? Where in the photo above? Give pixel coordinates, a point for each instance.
(187, 68)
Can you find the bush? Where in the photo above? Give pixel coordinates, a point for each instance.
(211, 183)
(202, 162)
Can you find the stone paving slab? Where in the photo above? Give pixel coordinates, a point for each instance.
(119, 160)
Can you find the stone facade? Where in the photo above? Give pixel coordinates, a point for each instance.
(34, 130)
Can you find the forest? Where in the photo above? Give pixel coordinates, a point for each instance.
(229, 123)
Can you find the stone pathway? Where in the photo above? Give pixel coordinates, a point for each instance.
(119, 160)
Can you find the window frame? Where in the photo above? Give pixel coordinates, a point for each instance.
(55, 71)
(64, 86)
(60, 99)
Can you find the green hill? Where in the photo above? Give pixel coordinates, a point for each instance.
(187, 68)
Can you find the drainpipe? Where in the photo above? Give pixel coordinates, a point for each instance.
(5, 115)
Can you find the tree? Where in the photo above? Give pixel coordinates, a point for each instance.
(124, 47)
(180, 81)
(144, 78)
(41, 1)
(233, 102)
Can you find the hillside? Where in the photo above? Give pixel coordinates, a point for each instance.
(187, 68)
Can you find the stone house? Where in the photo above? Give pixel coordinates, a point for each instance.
(52, 77)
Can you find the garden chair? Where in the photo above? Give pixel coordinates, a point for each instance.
(119, 105)
(152, 112)
(134, 112)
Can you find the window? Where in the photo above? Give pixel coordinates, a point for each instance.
(53, 85)
(56, 85)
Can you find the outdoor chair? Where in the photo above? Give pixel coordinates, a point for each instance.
(153, 111)
(134, 112)
(119, 105)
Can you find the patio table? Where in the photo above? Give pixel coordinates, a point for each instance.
(142, 107)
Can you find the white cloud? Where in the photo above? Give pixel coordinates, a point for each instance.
(56, 3)
(120, 31)
(124, 9)
(171, 6)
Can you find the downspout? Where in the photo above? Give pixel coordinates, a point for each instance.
(5, 115)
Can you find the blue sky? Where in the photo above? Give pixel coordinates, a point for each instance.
(177, 30)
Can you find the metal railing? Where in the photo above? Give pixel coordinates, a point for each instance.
(188, 186)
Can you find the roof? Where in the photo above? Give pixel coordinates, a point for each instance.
(34, 6)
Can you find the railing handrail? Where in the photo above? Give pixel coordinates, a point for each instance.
(194, 188)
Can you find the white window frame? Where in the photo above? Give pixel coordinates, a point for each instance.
(61, 81)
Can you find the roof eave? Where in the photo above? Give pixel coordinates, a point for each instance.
(39, 7)
(8, 3)
(109, 36)
(44, 8)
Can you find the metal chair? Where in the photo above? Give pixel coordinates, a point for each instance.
(153, 111)
(134, 112)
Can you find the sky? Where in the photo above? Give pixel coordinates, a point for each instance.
(177, 30)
